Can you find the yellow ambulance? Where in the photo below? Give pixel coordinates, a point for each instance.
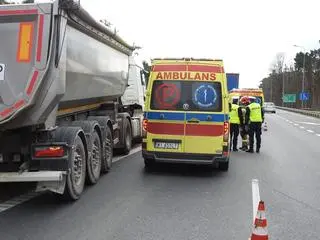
(253, 92)
(186, 116)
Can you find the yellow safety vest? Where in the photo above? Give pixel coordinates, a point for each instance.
(234, 117)
(255, 112)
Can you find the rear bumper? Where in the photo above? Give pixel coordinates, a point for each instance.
(187, 158)
(40, 176)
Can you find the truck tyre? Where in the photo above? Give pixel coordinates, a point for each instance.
(76, 179)
(94, 149)
(127, 137)
(94, 162)
(108, 152)
(107, 142)
(224, 166)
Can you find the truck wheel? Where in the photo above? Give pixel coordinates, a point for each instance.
(107, 142)
(108, 152)
(127, 138)
(224, 166)
(94, 163)
(76, 179)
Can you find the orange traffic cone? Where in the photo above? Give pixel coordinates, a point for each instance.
(260, 231)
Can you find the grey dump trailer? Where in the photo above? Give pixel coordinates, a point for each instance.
(62, 77)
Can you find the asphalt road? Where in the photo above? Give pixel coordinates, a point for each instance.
(181, 202)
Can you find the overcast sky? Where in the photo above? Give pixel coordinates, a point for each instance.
(246, 34)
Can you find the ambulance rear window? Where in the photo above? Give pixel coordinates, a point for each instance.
(186, 96)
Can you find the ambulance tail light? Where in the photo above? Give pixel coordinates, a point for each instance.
(145, 124)
(226, 131)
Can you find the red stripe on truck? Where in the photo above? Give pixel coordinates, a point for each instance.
(40, 35)
(32, 82)
(19, 104)
(18, 12)
(16, 106)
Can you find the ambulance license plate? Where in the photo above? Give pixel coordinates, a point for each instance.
(166, 145)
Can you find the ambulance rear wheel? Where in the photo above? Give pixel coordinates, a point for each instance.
(224, 166)
(148, 164)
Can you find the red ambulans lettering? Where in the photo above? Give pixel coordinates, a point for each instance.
(185, 76)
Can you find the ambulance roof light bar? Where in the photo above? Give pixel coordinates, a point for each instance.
(189, 59)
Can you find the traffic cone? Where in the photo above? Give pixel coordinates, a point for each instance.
(260, 231)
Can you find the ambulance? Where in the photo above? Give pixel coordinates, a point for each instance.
(253, 92)
(186, 116)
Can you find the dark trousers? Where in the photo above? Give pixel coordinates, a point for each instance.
(255, 129)
(244, 136)
(234, 133)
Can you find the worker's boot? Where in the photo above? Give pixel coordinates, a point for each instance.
(250, 150)
(257, 150)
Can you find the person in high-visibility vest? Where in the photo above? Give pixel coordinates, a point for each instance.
(255, 118)
(236, 119)
(244, 128)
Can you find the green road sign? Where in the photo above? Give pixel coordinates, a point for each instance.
(289, 98)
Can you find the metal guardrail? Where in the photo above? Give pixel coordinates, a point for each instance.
(301, 111)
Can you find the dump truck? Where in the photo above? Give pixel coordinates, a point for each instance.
(70, 94)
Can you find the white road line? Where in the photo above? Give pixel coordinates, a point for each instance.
(18, 200)
(255, 197)
(302, 127)
(296, 124)
(310, 131)
(318, 135)
(133, 151)
(310, 123)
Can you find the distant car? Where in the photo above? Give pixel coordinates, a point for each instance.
(269, 107)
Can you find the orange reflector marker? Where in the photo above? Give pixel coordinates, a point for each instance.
(42, 152)
(226, 131)
(25, 42)
(145, 124)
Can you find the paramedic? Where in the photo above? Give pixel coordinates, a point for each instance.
(255, 118)
(236, 119)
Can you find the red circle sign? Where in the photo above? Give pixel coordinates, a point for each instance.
(167, 95)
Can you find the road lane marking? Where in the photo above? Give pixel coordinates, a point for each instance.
(310, 131)
(18, 200)
(302, 127)
(28, 196)
(133, 151)
(310, 123)
(296, 124)
(318, 135)
(255, 197)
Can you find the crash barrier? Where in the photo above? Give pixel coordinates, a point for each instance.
(259, 230)
(301, 111)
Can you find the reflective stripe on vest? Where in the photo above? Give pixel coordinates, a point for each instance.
(255, 112)
(234, 117)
